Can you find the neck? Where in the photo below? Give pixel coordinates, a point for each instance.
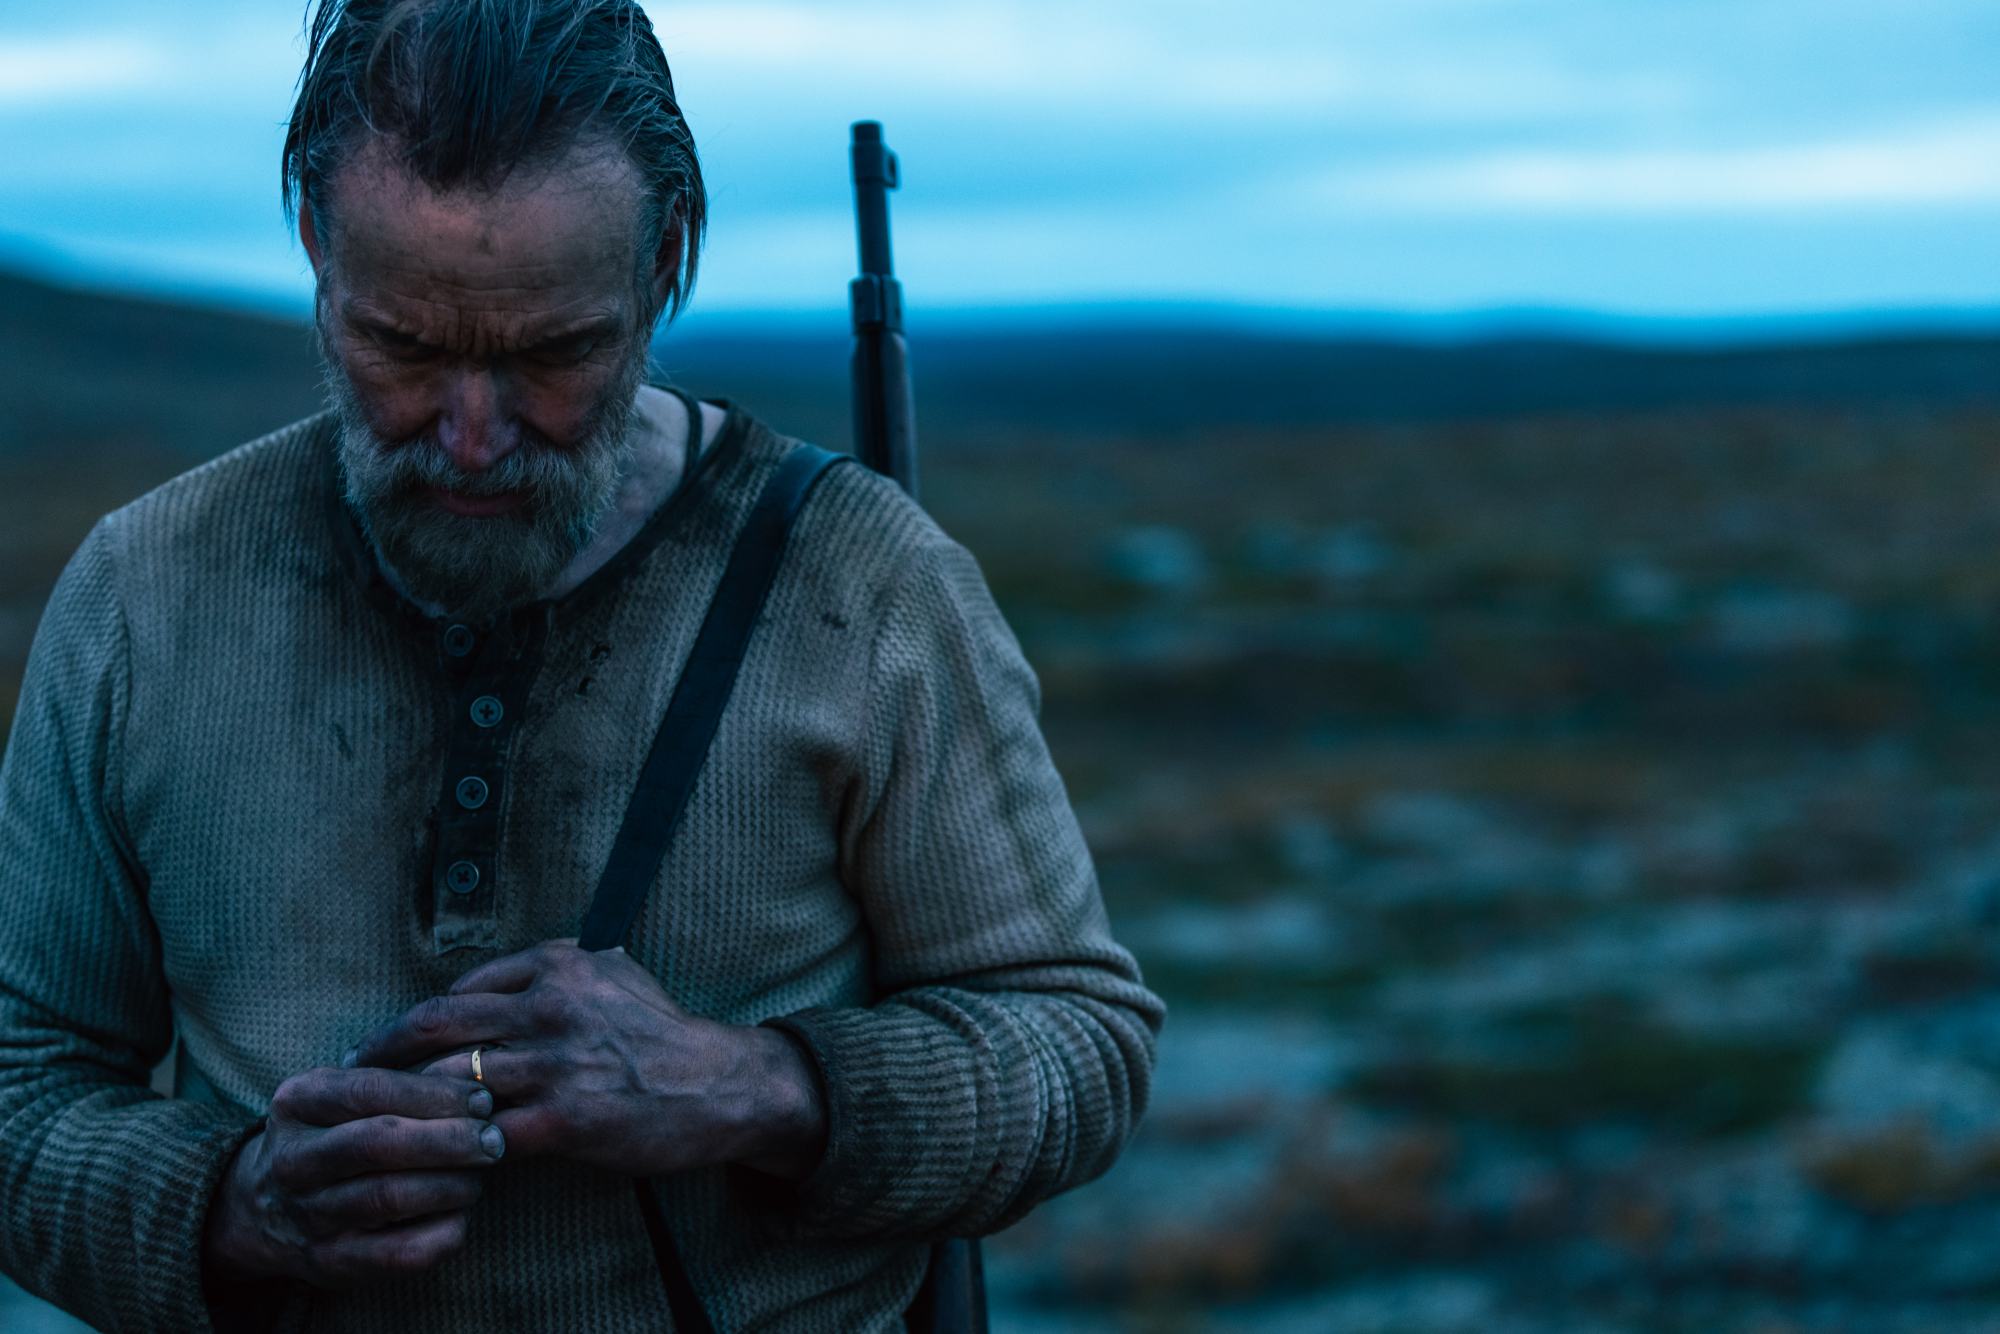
(660, 425)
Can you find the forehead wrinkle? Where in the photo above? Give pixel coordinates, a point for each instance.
(447, 254)
(563, 222)
(538, 291)
(441, 281)
(450, 325)
(551, 277)
(574, 308)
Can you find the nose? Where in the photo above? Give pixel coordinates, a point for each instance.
(473, 428)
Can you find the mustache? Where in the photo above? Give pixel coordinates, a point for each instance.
(422, 464)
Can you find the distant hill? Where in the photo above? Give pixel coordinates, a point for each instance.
(84, 369)
(1183, 382)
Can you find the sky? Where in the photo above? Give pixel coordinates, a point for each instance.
(1654, 158)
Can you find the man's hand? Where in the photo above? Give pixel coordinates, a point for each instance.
(590, 1060)
(357, 1174)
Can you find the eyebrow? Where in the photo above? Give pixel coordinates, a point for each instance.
(595, 326)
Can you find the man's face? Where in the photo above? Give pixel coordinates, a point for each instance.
(482, 352)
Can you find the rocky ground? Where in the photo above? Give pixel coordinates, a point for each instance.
(1572, 860)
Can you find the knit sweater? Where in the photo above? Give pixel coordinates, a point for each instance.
(226, 814)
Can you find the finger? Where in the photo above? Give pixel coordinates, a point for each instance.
(410, 1249)
(381, 1199)
(512, 1074)
(539, 1130)
(439, 1024)
(385, 1144)
(514, 972)
(328, 1096)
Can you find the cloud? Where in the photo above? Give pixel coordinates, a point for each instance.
(1943, 163)
(1194, 59)
(248, 63)
(1159, 62)
(77, 65)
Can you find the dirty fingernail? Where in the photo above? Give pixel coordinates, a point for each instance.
(480, 1103)
(493, 1141)
(353, 1055)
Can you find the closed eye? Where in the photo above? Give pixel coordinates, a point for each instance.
(565, 351)
(402, 346)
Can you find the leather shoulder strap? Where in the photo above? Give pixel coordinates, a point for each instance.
(675, 760)
(700, 695)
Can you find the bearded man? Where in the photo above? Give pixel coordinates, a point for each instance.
(323, 745)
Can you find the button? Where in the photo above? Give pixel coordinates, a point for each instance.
(461, 877)
(487, 711)
(472, 793)
(458, 640)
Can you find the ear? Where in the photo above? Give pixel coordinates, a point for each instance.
(667, 262)
(309, 237)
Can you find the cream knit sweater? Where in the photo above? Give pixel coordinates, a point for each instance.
(226, 812)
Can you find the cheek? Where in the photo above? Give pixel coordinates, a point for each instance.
(563, 406)
(401, 401)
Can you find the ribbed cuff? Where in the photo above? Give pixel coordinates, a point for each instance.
(902, 1128)
(190, 1171)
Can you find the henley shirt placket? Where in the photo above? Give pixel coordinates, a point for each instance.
(490, 675)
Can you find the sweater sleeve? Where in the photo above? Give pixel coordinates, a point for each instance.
(104, 1184)
(1010, 1051)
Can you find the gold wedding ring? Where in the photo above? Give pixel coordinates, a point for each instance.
(476, 1073)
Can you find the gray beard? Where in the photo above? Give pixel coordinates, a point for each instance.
(477, 567)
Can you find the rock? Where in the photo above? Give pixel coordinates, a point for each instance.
(1636, 590)
(1779, 620)
(1436, 1302)
(1158, 559)
(1604, 868)
(1751, 1212)
(1874, 1080)
(1287, 930)
(1276, 548)
(1346, 553)
(1209, 1057)
(1307, 845)
(1351, 552)
(1433, 821)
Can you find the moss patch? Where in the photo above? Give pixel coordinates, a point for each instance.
(1608, 1066)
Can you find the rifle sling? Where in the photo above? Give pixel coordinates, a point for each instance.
(700, 695)
(675, 760)
(952, 1297)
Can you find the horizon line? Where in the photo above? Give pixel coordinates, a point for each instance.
(1517, 320)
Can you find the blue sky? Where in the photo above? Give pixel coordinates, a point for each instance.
(1682, 158)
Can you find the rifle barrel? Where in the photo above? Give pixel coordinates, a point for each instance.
(875, 171)
(885, 427)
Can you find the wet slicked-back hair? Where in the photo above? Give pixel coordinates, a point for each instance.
(464, 91)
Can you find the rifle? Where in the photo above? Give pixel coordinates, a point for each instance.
(885, 413)
(952, 1298)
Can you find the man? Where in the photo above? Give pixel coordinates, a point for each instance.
(322, 747)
